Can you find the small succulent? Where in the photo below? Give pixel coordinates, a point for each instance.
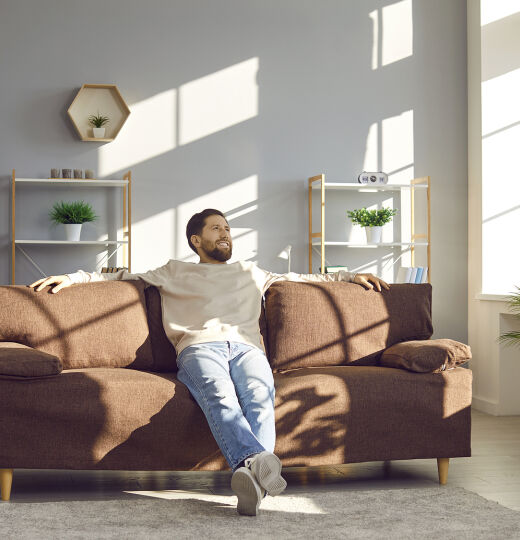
(98, 120)
(74, 212)
(371, 218)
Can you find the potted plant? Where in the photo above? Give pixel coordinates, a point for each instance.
(372, 220)
(513, 337)
(72, 215)
(97, 121)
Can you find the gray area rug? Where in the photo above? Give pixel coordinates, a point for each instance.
(439, 512)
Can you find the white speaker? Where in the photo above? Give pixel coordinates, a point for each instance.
(373, 178)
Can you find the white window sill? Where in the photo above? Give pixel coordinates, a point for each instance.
(492, 297)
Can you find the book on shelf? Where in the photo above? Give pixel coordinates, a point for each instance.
(415, 274)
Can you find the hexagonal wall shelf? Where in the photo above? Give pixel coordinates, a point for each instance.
(104, 99)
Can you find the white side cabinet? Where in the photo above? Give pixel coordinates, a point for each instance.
(319, 240)
(113, 244)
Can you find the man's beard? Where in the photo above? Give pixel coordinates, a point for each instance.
(217, 253)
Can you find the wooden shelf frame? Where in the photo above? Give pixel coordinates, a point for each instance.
(317, 183)
(125, 184)
(105, 99)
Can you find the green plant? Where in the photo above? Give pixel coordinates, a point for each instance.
(98, 120)
(371, 218)
(513, 337)
(74, 212)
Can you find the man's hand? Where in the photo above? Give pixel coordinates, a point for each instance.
(367, 279)
(59, 281)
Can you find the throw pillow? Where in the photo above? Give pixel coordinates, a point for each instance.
(426, 356)
(18, 361)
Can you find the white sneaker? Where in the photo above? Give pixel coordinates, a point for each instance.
(247, 490)
(267, 469)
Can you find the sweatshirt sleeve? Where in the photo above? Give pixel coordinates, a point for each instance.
(157, 276)
(341, 275)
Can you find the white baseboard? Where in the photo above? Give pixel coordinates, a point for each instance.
(485, 405)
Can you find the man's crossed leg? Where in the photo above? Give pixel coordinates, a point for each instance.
(233, 384)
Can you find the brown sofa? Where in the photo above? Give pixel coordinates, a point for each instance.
(118, 405)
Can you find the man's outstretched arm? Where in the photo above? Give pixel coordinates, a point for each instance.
(154, 277)
(369, 281)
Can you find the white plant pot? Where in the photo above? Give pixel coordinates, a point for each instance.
(72, 231)
(99, 133)
(374, 234)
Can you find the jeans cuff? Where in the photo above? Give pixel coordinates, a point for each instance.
(245, 456)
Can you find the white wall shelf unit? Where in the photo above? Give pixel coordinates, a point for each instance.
(318, 238)
(125, 184)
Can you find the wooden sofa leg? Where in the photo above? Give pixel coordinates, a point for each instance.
(6, 481)
(442, 466)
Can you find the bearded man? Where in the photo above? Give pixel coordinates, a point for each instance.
(210, 314)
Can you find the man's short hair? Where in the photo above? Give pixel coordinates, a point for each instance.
(197, 222)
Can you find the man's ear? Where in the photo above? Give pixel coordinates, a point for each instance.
(195, 240)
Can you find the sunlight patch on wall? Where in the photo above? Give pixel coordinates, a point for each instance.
(149, 132)
(398, 147)
(493, 10)
(374, 16)
(217, 101)
(392, 30)
(500, 103)
(153, 241)
(233, 200)
(390, 148)
(397, 32)
(371, 161)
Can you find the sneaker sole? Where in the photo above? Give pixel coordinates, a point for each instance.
(248, 494)
(268, 473)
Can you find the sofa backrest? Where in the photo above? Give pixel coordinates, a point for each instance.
(338, 323)
(102, 324)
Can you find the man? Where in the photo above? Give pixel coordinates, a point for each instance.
(210, 314)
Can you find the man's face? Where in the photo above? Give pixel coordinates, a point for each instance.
(215, 241)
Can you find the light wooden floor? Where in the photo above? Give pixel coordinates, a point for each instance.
(493, 471)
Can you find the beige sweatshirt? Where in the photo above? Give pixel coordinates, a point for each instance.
(211, 302)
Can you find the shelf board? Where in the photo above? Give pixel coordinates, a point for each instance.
(381, 244)
(73, 242)
(367, 187)
(73, 181)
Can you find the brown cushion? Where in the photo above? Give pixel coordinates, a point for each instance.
(426, 356)
(101, 324)
(337, 323)
(20, 362)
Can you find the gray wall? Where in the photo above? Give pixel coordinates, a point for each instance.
(317, 98)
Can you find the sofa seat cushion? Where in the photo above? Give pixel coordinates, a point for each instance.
(104, 418)
(18, 361)
(338, 323)
(85, 325)
(350, 414)
(426, 356)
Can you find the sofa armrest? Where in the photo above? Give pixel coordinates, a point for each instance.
(426, 356)
(20, 362)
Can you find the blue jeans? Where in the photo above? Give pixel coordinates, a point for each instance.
(233, 385)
